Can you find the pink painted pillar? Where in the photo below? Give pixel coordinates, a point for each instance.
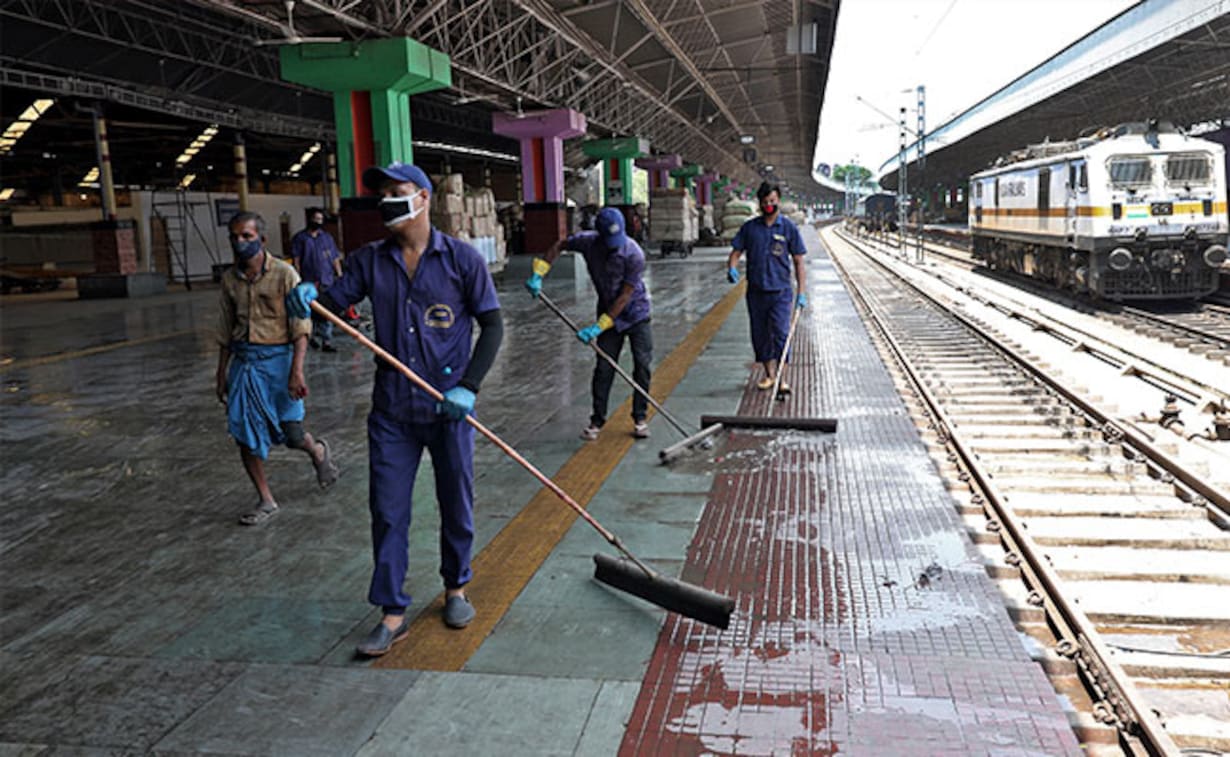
(659, 168)
(542, 134)
(704, 188)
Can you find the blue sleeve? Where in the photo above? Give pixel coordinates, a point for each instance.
(356, 284)
(296, 246)
(796, 241)
(737, 242)
(334, 253)
(479, 288)
(634, 267)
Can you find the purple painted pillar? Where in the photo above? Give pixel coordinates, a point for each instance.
(704, 188)
(659, 168)
(542, 134)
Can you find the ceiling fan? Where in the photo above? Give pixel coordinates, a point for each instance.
(292, 37)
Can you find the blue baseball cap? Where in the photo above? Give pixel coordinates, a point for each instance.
(396, 171)
(610, 227)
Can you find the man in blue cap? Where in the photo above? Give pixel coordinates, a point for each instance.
(426, 290)
(616, 267)
(774, 247)
(317, 260)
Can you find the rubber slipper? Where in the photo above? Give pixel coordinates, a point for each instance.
(259, 514)
(326, 469)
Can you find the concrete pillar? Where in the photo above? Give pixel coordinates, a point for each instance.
(617, 156)
(332, 193)
(241, 172)
(659, 167)
(542, 134)
(371, 81)
(704, 188)
(106, 184)
(685, 175)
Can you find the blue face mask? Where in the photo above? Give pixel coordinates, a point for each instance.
(245, 251)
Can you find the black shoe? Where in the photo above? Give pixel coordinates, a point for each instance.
(381, 639)
(327, 347)
(314, 343)
(458, 612)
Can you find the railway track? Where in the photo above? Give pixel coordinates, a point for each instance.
(1201, 327)
(1114, 559)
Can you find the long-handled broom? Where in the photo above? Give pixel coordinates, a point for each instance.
(631, 574)
(768, 421)
(690, 439)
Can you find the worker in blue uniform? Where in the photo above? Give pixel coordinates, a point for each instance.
(317, 260)
(773, 246)
(616, 267)
(426, 290)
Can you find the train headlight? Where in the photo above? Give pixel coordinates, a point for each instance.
(1120, 259)
(1214, 256)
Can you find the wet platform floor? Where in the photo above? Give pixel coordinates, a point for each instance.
(138, 617)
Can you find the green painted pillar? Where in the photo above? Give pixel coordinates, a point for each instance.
(371, 82)
(617, 155)
(685, 175)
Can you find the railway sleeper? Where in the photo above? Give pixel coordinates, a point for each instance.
(1095, 531)
(1124, 602)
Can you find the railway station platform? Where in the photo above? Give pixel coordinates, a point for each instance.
(138, 616)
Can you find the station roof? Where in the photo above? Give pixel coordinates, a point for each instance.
(692, 76)
(1163, 59)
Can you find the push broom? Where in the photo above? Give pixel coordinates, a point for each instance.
(768, 422)
(690, 439)
(631, 574)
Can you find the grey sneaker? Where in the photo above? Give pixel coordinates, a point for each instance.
(641, 430)
(458, 612)
(591, 432)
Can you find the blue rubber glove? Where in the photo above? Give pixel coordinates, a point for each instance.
(732, 275)
(534, 284)
(299, 300)
(800, 302)
(457, 404)
(589, 333)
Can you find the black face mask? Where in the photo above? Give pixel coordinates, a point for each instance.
(314, 225)
(768, 209)
(394, 210)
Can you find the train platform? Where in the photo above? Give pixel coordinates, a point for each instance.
(138, 617)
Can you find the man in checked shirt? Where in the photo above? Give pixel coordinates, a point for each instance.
(260, 363)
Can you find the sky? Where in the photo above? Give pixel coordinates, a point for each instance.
(960, 50)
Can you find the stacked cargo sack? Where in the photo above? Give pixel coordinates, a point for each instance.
(448, 206)
(735, 213)
(672, 216)
(792, 211)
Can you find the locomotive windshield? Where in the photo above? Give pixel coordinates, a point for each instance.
(1189, 168)
(1130, 172)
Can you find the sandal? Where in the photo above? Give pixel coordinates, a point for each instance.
(765, 383)
(259, 514)
(326, 469)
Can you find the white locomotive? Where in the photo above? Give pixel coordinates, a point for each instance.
(1138, 212)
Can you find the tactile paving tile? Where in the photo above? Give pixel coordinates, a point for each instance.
(864, 622)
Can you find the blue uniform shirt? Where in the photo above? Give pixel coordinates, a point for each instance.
(769, 249)
(610, 270)
(315, 256)
(425, 323)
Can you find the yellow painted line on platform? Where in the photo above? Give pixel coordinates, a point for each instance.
(504, 567)
(58, 357)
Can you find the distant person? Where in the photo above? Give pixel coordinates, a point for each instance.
(427, 291)
(616, 267)
(261, 350)
(773, 246)
(318, 262)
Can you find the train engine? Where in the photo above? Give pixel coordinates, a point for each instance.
(1138, 212)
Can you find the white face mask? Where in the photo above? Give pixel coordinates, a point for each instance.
(397, 210)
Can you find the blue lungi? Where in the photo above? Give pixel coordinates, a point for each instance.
(258, 400)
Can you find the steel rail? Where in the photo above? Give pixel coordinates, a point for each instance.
(1104, 674)
(1216, 498)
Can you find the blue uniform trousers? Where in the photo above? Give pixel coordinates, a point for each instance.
(769, 314)
(394, 451)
